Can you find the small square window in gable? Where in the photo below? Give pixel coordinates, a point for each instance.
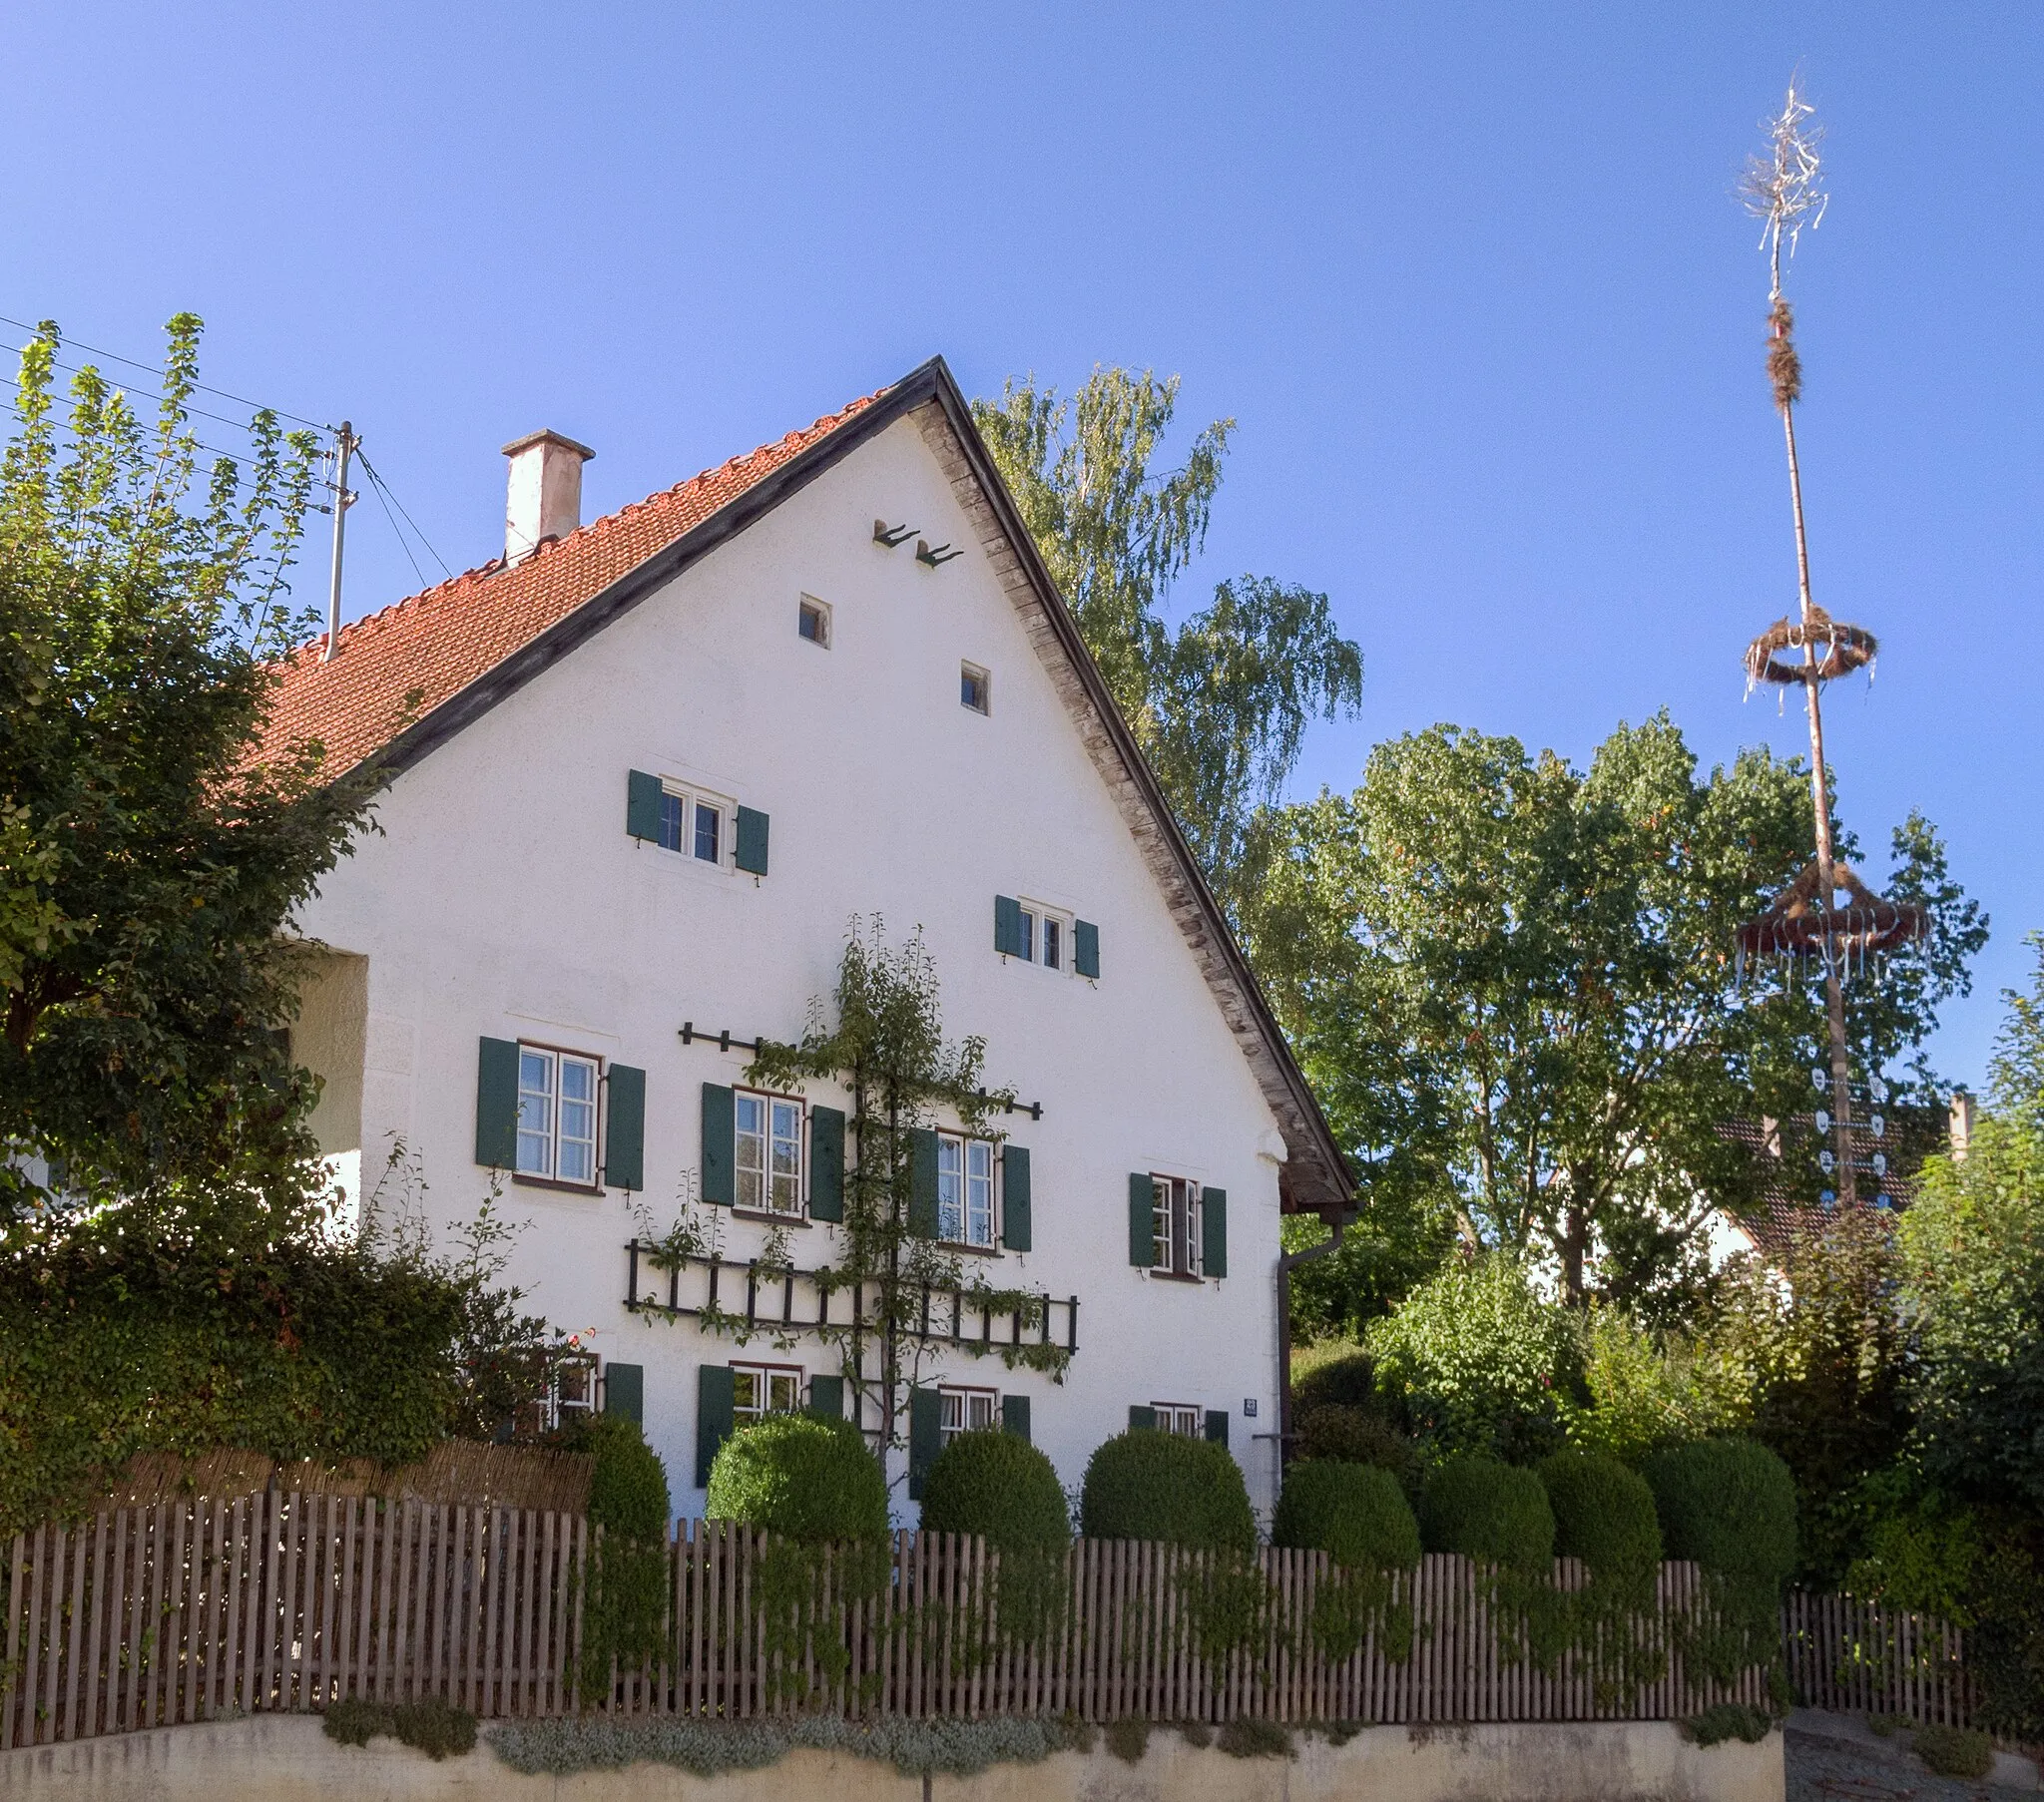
(975, 688)
(813, 622)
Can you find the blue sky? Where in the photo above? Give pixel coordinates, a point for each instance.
(1470, 279)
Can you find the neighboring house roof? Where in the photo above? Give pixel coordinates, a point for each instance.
(1784, 1153)
(412, 675)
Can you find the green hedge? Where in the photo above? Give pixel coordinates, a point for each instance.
(1604, 1515)
(627, 1492)
(1729, 1504)
(1148, 1484)
(807, 1478)
(1000, 1486)
(1355, 1511)
(1486, 1509)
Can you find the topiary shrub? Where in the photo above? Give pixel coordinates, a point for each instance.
(1955, 1751)
(1000, 1486)
(1147, 1485)
(627, 1492)
(801, 1478)
(1354, 1511)
(1604, 1515)
(1491, 1511)
(1729, 1504)
(1349, 1435)
(1348, 1379)
(625, 1582)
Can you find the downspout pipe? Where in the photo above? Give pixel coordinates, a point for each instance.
(1286, 1264)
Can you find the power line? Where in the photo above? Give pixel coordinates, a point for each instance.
(183, 406)
(384, 490)
(383, 501)
(204, 388)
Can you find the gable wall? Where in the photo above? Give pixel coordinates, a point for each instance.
(504, 898)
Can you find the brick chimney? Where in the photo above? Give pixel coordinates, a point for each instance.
(545, 495)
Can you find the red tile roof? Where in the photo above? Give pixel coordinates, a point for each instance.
(398, 665)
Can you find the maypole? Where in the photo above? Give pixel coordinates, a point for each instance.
(1783, 191)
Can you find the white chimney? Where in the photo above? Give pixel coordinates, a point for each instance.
(545, 498)
(1961, 1126)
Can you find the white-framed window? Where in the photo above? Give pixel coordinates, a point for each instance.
(694, 824)
(758, 1390)
(975, 688)
(1175, 1213)
(1046, 938)
(573, 1390)
(770, 1152)
(813, 622)
(969, 1410)
(965, 1190)
(557, 1094)
(1180, 1418)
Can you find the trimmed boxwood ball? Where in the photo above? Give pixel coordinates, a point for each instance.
(1729, 1504)
(628, 1487)
(1353, 1511)
(999, 1486)
(1602, 1514)
(1148, 1484)
(807, 1478)
(1486, 1509)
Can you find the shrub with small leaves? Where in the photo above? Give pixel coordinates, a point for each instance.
(999, 1486)
(1353, 1512)
(1728, 1720)
(801, 1478)
(1491, 1511)
(1147, 1485)
(1955, 1751)
(1729, 1504)
(356, 1723)
(1603, 1514)
(1248, 1737)
(1196, 1733)
(1128, 1740)
(435, 1727)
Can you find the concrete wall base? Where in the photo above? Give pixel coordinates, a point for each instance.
(288, 1758)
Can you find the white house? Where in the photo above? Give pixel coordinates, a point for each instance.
(643, 775)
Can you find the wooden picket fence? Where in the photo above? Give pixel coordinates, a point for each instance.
(201, 1608)
(1855, 1656)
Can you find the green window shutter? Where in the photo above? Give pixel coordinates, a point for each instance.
(922, 1182)
(1086, 948)
(1142, 1420)
(1217, 1425)
(827, 1163)
(1015, 1198)
(642, 805)
(715, 1399)
(925, 1437)
(1142, 1220)
(1015, 1415)
(624, 1128)
(827, 1397)
(496, 1104)
(1007, 926)
(1212, 1233)
(750, 853)
(719, 1146)
(624, 1391)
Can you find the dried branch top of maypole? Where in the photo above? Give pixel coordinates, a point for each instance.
(1785, 190)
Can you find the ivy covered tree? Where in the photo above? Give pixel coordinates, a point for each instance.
(150, 860)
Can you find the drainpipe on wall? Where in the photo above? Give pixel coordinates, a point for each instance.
(1287, 1262)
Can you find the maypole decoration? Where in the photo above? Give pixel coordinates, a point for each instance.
(1827, 916)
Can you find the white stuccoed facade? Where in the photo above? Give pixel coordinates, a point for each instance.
(503, 898)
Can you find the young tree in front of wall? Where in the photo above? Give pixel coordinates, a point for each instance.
(887, 1048)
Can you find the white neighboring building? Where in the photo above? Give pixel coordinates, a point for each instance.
(644, 773)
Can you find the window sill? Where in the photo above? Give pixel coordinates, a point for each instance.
(1172, 1277)
(771, 1220)
(970, 1250)
(554, 1182)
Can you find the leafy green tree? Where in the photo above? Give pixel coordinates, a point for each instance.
(1220, 706)
(1511, 984)
(149, 860)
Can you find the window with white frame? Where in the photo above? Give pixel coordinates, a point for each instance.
(965, 1190)
(557, 1115)
(758, 1390)
(770, 1152)
(1046, 938)
(1175, 1214)
(573, 1390)
(694, 824)
(1176, 1417)
(969, 1410)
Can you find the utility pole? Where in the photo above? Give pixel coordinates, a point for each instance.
(343, 449)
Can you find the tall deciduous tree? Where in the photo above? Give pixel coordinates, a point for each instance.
(1221, 704)
(1511, 982)
(149, 863)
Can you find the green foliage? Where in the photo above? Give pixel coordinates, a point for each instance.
(1128, 1740)
(1400, 1234)
(149, 865)
(1491, 1511)
(1604, 1515)
(1647, 1389)
(1509, 982)
(1220, 707)
(1250, 1736)
(1353, 1436)
(1146, 1485)
(1342, 1379)
(431, 1723)
(627, 1492)
(122, 1336)
(1729, 1720)
(1481, 1363)
(624, 1604)
(1000, 1486)
(1955, 1751)
(800, 1477)
(1729, 1504)
(1357, 1514)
